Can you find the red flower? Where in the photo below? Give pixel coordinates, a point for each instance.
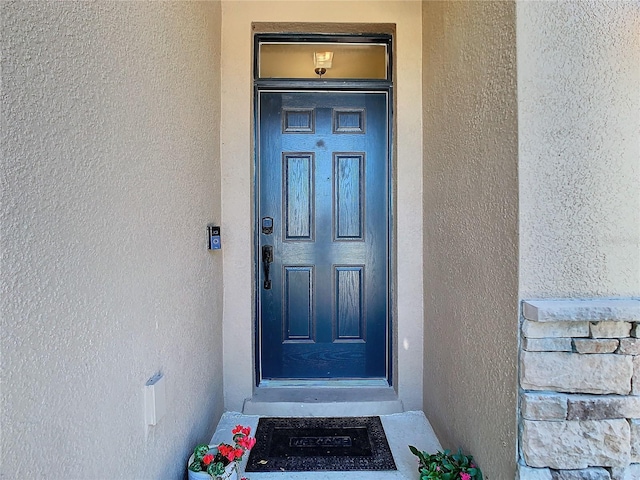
(246, 431)
(226, 451)
(238, 429)
(229, 452)
(207, 459)
(247, 442)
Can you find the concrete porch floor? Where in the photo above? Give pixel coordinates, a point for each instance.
(401, 429)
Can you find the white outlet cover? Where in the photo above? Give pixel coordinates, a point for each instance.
(154, 399)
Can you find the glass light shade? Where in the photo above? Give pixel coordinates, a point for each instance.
(322, 59)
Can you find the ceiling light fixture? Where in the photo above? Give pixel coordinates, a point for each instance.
(322, 61)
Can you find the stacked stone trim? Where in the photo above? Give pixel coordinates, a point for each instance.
(580, 390)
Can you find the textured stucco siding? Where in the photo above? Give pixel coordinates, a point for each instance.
(579, 131)
(471, 229)
(110, 173)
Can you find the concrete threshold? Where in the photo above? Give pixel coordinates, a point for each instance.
(402, 429)
(323, 402)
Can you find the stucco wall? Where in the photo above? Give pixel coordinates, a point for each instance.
(110, 173)
(471, 229)
(579, 130)
(237, 180)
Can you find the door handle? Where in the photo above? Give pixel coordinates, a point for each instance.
(267, 259)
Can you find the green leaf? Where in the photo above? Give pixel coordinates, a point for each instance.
(195, 466)
(215, 469)
(443, 465)
(200, 451)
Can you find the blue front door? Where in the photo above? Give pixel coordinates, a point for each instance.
(323, 235)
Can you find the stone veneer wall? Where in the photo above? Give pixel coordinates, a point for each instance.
(580, 390)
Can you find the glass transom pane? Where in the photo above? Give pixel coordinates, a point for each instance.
(296, 60)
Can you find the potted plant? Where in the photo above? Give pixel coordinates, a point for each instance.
(220, 462)
(446, 466)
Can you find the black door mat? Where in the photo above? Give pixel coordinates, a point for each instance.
(307, 444)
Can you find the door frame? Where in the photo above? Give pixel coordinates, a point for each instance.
(322, 86)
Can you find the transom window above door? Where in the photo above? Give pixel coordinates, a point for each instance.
(322, 57)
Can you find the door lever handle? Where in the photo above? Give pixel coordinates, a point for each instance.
(267, 259)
